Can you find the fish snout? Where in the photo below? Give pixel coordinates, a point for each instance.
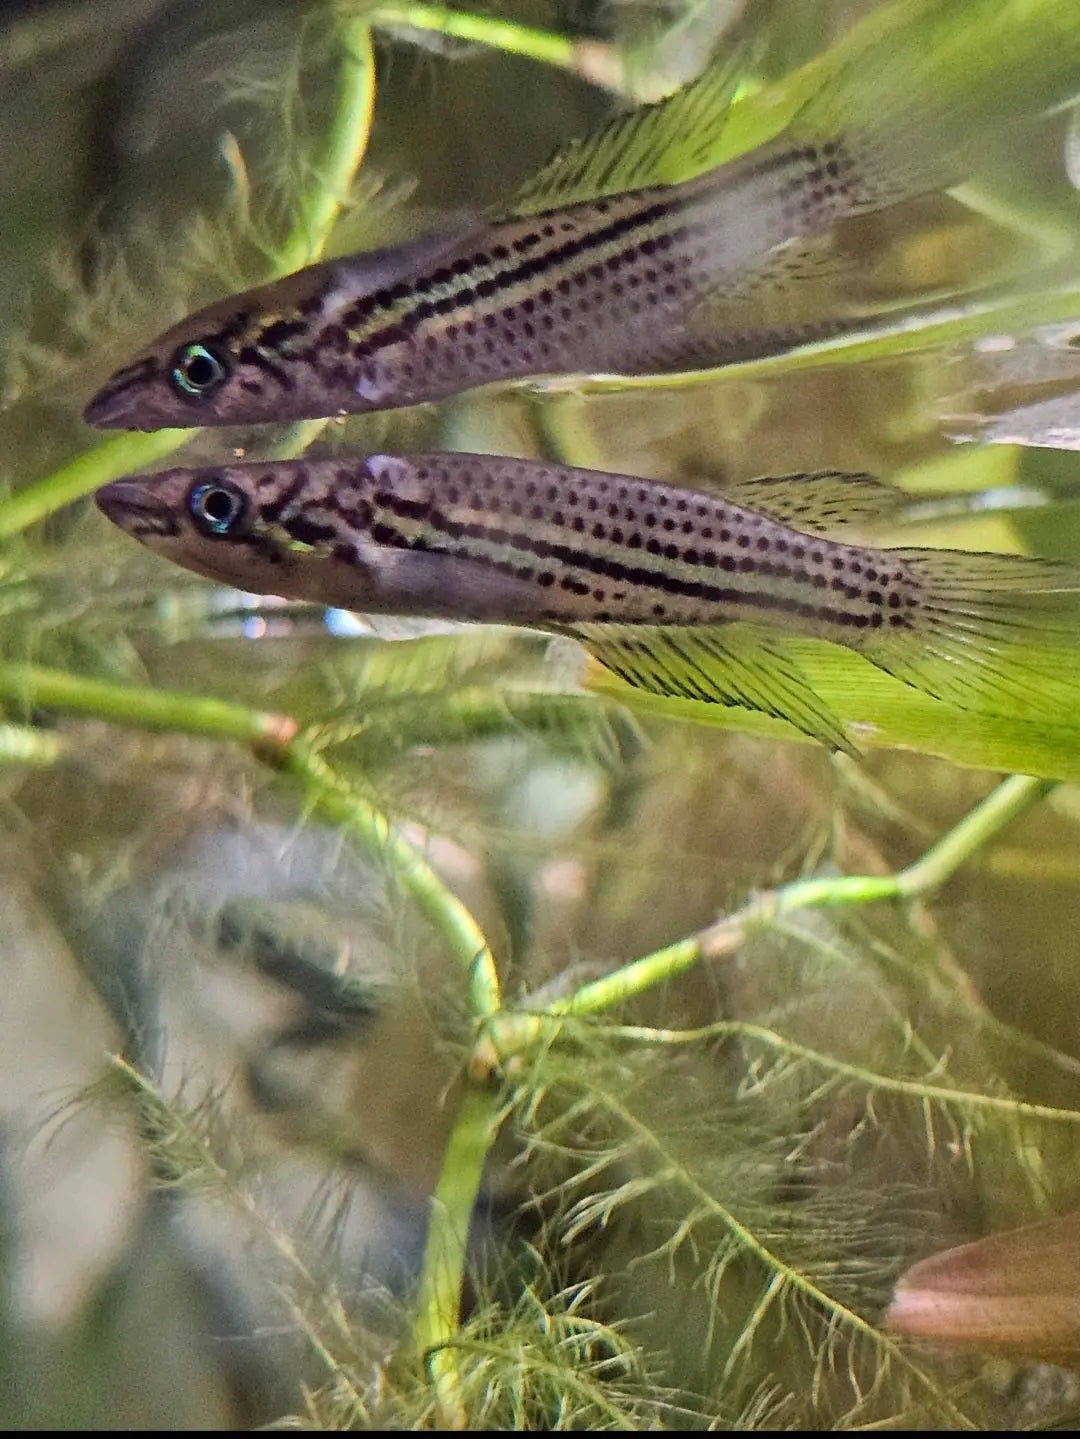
(132, 399)
(129, 504)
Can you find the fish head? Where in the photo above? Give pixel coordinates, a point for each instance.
(238, 361)
(265, 529)
(282, 351)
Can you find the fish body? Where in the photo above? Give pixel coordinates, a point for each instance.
(679, 592)
(599, 268)
(608, 286)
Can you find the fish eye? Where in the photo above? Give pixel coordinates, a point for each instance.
(217, 506)
(197, 370)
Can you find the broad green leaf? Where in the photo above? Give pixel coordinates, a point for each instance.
(880, 712)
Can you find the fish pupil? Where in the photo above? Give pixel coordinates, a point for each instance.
(217, 507)
(197, 370)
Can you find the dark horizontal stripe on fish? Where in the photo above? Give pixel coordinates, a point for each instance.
(537, 265)
(640, 577)
(253, 355)
(502, 281)
(273, 511)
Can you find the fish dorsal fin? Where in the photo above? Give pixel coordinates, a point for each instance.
(824, 502)
(721, 664)
(657, 144)
(371, 269)
(906, 102)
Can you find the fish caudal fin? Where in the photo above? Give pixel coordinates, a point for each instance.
(916, 90)
(997, 633)
(721, 664)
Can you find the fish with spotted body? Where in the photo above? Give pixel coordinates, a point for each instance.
(679, 592)
(603, 265)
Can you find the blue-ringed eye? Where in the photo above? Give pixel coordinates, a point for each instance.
(197, 370)
(218, 507)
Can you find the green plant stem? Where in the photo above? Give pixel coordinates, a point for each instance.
(505, 1034)
(134, 706)
(438, 1302)
(334, 798)
(1011, 799)
(445, 1251)
(345, 146)
(509, 1034)
(278, 741)
(547, 47)
(118, 455)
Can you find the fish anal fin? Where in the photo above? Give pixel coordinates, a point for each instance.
(719, 664)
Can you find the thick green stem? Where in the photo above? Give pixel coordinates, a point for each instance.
(1012, 798)
(276, 739)
(546, 46)
(511, 1033)
(446, 1250)
(33, 688)
(346, 143)
(333, 797)
(118, 455)
(333, 171)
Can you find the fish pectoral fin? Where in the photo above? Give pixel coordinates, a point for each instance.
(652, 145)
(810, 289)
(823, 502)
(721, 664)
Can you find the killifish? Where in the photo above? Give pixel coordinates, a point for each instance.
(599, 268)
(679, 592)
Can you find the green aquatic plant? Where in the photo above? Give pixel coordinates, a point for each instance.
(640, 1213)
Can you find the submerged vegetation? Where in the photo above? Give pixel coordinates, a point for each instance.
(375, 1051)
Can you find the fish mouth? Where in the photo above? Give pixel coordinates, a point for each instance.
(110, 410)
(131, 506)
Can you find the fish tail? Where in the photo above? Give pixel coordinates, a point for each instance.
(920, 87)
(997, 633)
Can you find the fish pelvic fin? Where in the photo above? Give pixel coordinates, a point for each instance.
(996, 633)
(721, 664)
